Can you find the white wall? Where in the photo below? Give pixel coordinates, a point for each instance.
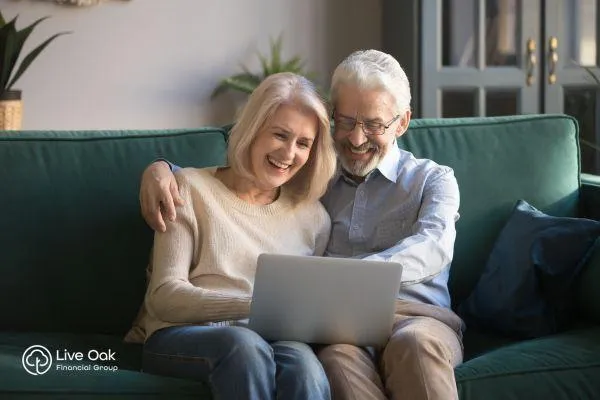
(143, 64)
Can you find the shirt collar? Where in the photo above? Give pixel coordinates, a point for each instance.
(389, 165)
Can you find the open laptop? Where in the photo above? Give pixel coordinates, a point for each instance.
(324, 300)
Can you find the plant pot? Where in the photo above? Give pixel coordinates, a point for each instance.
(11, 110)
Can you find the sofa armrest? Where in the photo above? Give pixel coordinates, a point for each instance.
(588, 285)
(590, 196)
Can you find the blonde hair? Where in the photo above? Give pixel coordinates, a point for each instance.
(373, 69)
(310, 182)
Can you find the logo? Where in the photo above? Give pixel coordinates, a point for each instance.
(37, 360)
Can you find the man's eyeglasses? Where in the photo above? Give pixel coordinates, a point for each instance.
(346, 124)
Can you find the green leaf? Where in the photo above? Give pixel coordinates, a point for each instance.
(221, 87)
(29, 58)
(264, 63)
(250, 78)
(247, 71)
(241, 85)
(294, 65)
(245, 83)
(276, 55)
(21, 38)
(24, 33)
(8, 39)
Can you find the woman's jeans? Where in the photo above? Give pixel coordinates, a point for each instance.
(237, 363)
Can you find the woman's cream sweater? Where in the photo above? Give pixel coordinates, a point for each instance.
(203, 266)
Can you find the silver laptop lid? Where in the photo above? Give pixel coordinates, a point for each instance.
(324, 299)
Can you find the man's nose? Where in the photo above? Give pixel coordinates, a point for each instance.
(357, 137)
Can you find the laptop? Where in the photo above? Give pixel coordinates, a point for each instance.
(324, 300)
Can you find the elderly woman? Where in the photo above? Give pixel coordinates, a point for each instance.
(280, 159)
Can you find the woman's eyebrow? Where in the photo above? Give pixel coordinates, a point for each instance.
(281, 128)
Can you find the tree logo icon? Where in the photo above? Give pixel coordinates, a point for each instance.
(36, 360)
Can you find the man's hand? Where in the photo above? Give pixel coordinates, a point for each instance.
(159, 195)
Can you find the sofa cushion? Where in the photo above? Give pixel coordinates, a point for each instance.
(126, 381)
(74, 245)
(526, 289)
(496, 161)
(563, 366)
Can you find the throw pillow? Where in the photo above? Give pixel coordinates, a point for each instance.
(525, 290)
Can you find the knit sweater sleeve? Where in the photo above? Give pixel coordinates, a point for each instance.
(322, 229)
(171, 296)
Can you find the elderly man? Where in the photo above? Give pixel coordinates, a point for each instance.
(384, 204)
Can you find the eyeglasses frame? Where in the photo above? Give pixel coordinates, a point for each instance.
(383, 126)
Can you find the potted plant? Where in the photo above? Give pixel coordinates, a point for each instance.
(11, 46)
(247, 81)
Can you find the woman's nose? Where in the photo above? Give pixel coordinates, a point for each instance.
(288, 149)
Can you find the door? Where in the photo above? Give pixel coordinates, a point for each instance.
(491, 57)
(480, 57)
(571, 70)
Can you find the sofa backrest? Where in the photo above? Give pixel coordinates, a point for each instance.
(497, 161)
(73, 245)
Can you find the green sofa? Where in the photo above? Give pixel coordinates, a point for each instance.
(74, 249)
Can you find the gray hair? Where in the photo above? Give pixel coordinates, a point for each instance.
(373, 69)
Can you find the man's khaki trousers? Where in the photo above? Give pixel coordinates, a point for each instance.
(417, 362)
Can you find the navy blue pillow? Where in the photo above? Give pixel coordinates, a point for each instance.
(526, 289)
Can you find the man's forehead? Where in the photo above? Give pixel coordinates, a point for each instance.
(354, 99)
(364, 110)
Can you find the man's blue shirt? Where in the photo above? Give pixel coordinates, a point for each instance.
(404, 211)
